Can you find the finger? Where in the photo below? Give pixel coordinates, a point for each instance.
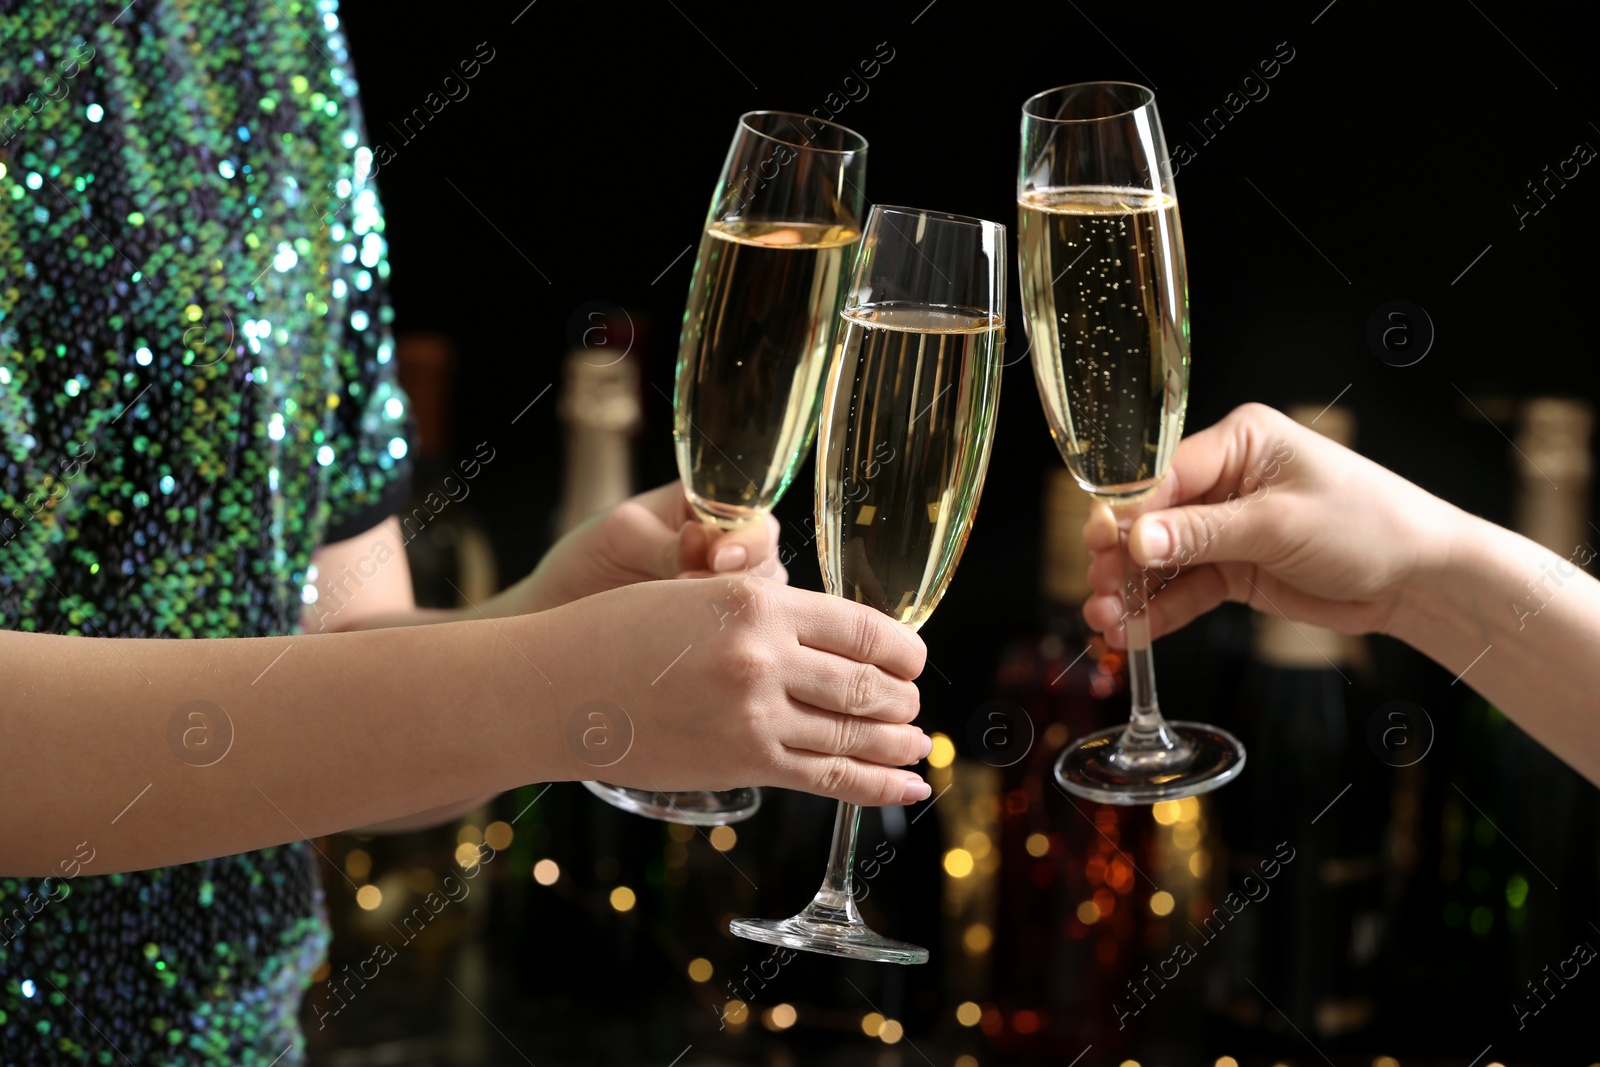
(1170, 606)
(634, 536)
(1100, 529)
(851, 780)
(1211, 463)
(745, 546)
(1237, 530)
(668, 503)
(855, 631)
(771, 570)
(835, 684)
(1107, 571)
(693, 540)
(827, 733)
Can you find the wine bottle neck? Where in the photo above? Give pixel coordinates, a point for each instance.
(1301, 646)
(1554, 470)
(600, 407)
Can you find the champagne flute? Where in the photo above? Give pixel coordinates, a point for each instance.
(763, 310)
(908, 416)
(1107, 308)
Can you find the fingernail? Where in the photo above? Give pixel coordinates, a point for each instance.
(927, 746)
(1155, 542)
(730, 559)
(916, 789)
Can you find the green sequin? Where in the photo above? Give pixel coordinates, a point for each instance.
(188, 408)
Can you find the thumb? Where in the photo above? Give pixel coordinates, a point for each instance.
(1233, 530)
(637, 540)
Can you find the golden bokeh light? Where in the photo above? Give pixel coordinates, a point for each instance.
(1037, 845)
(1165, 812)
(369, 896)
(700, 969)
(467, 855)
(622, 898)
(958, 863)
(1161, 902)
(890, 1032)
(968, 1013)
(1088, 913)
(944, 751)
(723, 838)
(780, 1017)
(357, 864)
(871, 1023)
(546, 872)
(498, 835)
(977, 938)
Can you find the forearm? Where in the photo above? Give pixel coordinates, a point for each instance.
(426, 820)
(328, 732)
(1521, 625)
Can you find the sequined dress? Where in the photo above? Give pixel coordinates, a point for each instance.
(196, 390)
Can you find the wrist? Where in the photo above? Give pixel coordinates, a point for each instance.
(1437, 608)
(520, 687)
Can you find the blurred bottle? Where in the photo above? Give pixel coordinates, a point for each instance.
(602, 848)
(1316, 793)
(601, 411)
(1517, 821)
(452, 561)
(1072, 909)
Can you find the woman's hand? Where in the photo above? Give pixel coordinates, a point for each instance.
(652, 535)
(715, 683)
(1261, 510)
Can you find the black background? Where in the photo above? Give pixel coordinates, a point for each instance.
(1392, 148)
(1382, 165)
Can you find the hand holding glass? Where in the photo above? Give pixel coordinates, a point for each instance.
(907, 420)
(763, 310)
(1106, 296)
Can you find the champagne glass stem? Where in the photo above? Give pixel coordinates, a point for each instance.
(1147, 732)
(835, 901)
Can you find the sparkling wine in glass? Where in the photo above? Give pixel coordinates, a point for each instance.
(908, 416)
(763, 312)
(1107, 309)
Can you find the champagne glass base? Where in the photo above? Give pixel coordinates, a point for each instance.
(1098, 768)
(700, 807)
(854, 940)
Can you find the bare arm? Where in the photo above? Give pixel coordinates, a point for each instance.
(1520, 624)
(717, 683)
(364, 583)
(159, 752)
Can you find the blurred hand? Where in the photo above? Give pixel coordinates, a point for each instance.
(1261, 510)
(649, 536)
(737, 681)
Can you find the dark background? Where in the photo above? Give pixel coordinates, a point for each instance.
(1382, 165)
